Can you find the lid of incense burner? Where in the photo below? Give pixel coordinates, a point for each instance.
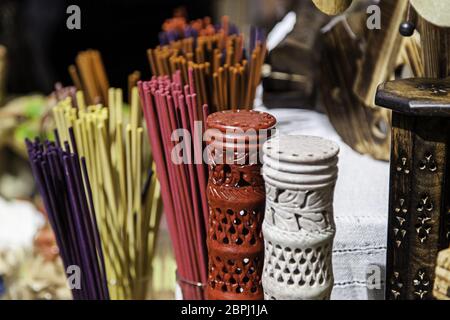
(300, 162)
(417, 96)
(237, 136)
(300, 149)
(241, 119)
(436, 12)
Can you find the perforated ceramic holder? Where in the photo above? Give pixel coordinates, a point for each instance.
(300, 174)
(236, 200)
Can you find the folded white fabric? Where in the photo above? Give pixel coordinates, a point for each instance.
(360, 208)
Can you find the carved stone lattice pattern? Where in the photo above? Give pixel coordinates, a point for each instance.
(300, 174)
(236, 228)
(235, 243)
(234, 276)
(297, 267)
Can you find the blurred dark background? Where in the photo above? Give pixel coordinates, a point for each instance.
(41, 47)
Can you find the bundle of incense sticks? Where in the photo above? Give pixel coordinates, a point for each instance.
(126, 193)
(133, 79)
(61, 177)
(90, 76)
(167, 106)
(213, 60)
(178, 28)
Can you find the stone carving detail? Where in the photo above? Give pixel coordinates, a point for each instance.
(231, 227)
(288, 200)
(300, 174)
(234, 276)
(297, 267)
(235, 175)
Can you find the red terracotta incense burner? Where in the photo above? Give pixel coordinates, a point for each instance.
(236, 199)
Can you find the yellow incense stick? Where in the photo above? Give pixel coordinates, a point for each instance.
(117, 161)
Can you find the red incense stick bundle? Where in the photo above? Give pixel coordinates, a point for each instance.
(169, 106)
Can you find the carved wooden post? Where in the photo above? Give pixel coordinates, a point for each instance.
(419, 204)
(300, 174)
(236, 199)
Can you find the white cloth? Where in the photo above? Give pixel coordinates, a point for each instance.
(360, 208)
(19, 222)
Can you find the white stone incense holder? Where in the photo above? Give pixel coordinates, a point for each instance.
(300, 174)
